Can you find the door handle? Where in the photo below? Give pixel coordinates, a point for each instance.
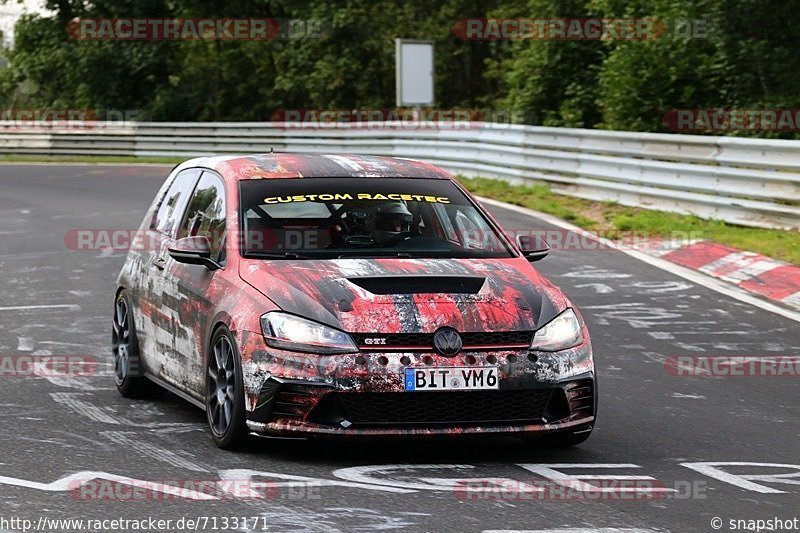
(159, 263)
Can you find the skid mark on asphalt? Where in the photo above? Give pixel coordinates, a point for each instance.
(69, 439)
(75, 402)
(129, 440)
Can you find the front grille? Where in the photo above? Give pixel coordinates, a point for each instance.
(480, 339)
(412, 409)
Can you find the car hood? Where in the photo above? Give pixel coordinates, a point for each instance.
(408, 295)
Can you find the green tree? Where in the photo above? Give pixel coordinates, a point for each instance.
(547, 82)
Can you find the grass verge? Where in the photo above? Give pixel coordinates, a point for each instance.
(610, 218)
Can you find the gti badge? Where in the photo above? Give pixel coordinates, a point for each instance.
(447, 341)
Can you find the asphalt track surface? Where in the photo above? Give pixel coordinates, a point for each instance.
(59, 301)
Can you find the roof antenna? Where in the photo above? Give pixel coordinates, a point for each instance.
(271, 150)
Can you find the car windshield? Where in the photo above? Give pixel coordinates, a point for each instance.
(364, 217)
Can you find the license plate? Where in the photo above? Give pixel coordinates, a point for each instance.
(452, 378)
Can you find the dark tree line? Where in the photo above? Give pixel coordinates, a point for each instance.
(748, 60)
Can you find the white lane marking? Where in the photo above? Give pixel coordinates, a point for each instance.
(595, 273)
(699, 278)
(657, 287)
(24, 344)
(62, 343)
(70, 307)
(80, 293)
(130, 440)
(74, 482)
(745, 481)
(290, 480)
(688, 396)
(637, 315)
(689, 347)
(365, 474)
(599, 288)
(553, 473)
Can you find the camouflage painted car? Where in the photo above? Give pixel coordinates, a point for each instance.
(324, 295)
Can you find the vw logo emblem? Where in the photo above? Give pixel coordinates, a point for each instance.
(447, 341)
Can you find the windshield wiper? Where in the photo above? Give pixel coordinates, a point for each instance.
(255, 254)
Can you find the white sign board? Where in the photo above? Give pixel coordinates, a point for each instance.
(414, 70)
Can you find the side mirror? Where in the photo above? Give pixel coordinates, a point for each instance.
(532, 247)
(193, 251)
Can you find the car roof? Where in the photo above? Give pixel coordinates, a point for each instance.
(299, 165)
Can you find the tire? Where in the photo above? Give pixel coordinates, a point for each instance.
(128, 370)
(225, 391)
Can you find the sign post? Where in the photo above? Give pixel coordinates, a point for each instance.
(414, 73)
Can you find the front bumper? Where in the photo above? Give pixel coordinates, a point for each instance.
(363, 394)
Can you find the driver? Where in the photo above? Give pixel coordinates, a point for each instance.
(391, 218)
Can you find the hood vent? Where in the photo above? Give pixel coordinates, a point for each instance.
(384, 285)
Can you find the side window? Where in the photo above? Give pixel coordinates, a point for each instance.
(205, 215)
(166, 218)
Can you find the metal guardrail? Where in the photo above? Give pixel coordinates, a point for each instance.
(752, 182)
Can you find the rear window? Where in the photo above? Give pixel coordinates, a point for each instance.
(339, 217)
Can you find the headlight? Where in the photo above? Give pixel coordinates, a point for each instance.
(563, 332)
(289, 332)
